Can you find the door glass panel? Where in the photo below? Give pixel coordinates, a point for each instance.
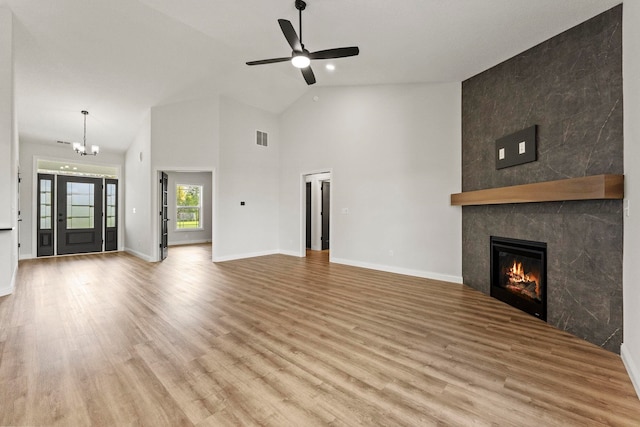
(45, 204)
(80, 209)
(111, 205)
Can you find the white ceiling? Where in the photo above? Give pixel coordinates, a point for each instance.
(118, 58)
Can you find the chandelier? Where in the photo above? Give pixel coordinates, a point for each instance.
(82, 148)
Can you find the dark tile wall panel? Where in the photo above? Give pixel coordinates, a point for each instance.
(571, 87)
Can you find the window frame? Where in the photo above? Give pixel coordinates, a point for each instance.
(199, 207)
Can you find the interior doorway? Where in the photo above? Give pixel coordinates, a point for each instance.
(317, 211)
(186, 208)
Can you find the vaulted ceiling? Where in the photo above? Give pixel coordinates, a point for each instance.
(118, 58)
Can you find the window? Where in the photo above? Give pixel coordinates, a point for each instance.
(188, 207)
(80, 209)
(45, 204)
(111, 205)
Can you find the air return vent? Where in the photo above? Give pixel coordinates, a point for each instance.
(261, 138)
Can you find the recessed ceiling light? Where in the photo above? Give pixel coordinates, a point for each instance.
(66, 166)
(330, 67)
(75, 169)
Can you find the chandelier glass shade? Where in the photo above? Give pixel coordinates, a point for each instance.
(82, 148)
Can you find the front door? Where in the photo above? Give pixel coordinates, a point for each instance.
(79, 219)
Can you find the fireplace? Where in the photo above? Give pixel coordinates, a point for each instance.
(519, 274)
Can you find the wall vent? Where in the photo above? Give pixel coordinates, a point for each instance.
(261, 138)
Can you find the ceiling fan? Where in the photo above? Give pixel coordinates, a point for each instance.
(301, 57)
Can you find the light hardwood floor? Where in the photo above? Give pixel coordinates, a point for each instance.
(111, 340)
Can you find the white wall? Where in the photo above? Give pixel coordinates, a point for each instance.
(316, 208)
(184, 137)
(8, 158)
(31, 151)
(630, 350)
(187, 236)
(394, 153)
(138, 215)
(247, 173)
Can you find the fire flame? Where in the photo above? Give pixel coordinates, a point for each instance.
(517, 275)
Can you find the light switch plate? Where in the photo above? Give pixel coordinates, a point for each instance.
(517, 148)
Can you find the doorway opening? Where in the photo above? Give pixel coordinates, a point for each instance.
(76, 208)
(186, 209)
(317, 211)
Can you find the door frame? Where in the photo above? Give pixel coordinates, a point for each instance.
(302, 248)
(155, 205)
(34, 198)
(325, 202)
(308, 217)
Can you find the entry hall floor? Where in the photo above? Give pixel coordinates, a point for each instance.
(109, 339)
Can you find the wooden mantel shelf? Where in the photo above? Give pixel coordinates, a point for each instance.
(583, 188)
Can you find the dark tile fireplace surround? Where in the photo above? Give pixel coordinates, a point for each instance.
(570, 87)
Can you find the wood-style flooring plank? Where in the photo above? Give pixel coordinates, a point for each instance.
(109, 339)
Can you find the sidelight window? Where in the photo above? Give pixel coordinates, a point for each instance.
(111, 204)
(46, 204)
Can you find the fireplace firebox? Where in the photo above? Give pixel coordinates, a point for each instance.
(519, 274)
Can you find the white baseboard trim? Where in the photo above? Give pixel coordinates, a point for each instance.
(632, 367)
(25, 256)
(243, 256)
(139, 254)
(399, 270)
(189, 242)
(290, 253)
(12, 285)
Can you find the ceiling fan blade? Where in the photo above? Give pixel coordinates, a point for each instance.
(269, 61)
(340, 52)
(309, 77)
(290, 35)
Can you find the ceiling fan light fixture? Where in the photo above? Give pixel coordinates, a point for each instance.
(300, 61)
(301, 57)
